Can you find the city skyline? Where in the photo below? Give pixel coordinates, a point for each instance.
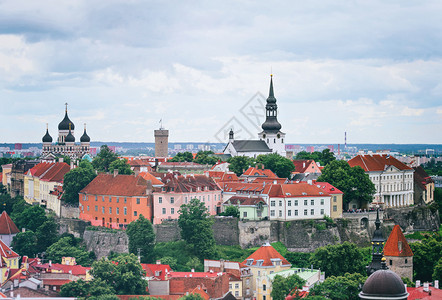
(371, 69)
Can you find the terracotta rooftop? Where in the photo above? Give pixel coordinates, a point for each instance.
(247, 201)
(156, 270)
(397, 244)
(421, 177)
(265, 256)
(301, 189)
(302, 165)
(189, 183)
(7, 226)
(119, 185)
(253, 171)
(193, 274)
(6, 252)
(419, 293)
(50, 171)
(328, 188)
(152, 178)
(377, 162)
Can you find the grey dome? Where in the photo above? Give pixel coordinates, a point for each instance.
(383, 284)
(47, 138)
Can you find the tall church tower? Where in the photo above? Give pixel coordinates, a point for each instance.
(161, 142)
(377, 245)
(272, 134)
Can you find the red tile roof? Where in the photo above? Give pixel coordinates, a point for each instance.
(193, 274)
(201, 292)
(377, 162)
(252, 171)
(267, 254)
(153, 269)
(421, 177)
(268, 180)
(188, 183)
(7, 252)
(119, 185)
(55, 282)
(328, 188)
(75, 269)
(391, 247)
(300, 189)
(241, 186)
(418, 293)
(301, 165)
(7, 226)
(56, 172)
(149, 176)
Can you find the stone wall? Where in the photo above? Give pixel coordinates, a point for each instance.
(226, 231)
(168, 231)
(102, 243)
(419, 218)
(253, 233)
(69, 212)
(73, 226)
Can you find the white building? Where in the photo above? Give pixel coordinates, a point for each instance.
(271, 139)
(393, 179)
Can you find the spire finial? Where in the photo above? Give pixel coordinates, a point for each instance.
(84, 126)
(66, 104)
(47, 126)
(271, 86)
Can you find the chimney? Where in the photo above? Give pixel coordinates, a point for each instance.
(426, 287)
(72, 165)
(60, 159)
(50, 263)
(115, 172)
(193, 270)
(137, 172)
(149, 187)
(158, 262)
(436, 284)
(418, 283)
(303, 165)
(23, 229)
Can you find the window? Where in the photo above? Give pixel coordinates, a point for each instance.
(96, 198)
(335, 208)
(296, 202)
(334, 198)
(172, 200)
(322, 211)
(160, 199)
(263, 297)
(244, 214)
(88, 208)
(236, 285)
(110, 210)
(305, 212)
(118, 211)
(138, 200)
(289, 203)
(172, 210)
(406, 261)
(135, 213)
(305, 202)
(312, 202)
(164, 210)
(280, 202)
(110, 199)
(280, 213)
(272, 213)
(391, 262)
(204, 198)
(118, 200)
(125, 200)
(125, 211)
(208, 197)
(96, 208)
(185, 199)
(312, 211)
(102, 198)
(272, 203)
(289, 213)
(264, 287)
(230, 286)
(296, 212)
(322, 201)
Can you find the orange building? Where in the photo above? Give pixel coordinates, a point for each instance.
(116, 200)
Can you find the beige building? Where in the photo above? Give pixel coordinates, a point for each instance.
(423, 186)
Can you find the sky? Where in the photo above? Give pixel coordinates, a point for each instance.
(372, 69)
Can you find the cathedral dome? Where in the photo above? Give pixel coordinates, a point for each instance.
(47, 138)
(384, 284)
(64, 124)
(85, 138)
(70, 137)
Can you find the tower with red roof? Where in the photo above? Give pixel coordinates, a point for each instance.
(7, 228)
(398, 254)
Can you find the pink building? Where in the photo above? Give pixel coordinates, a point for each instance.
(179, 190)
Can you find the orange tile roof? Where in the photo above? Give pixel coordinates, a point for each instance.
(391, 247)
(39, 169)
(201, 292)
(56, 172)
(267, 254)
(243, 186)
(247, 201)
(120, 185)
(300, 189)
(153, 179)
(301, 165)
(252, 171)
(151, 270)
(6, 252)
(7, 226)
(377, 162)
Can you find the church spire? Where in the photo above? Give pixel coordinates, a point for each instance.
(271, 123)
(377, 244)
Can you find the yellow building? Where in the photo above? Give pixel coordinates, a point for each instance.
(6, 175)
(265, 261)
(8, 260)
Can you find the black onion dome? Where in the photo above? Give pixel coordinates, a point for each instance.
(64, 124)
(384, 284)
(70, 137)
(271, 123)
(85, 138)
(47, 138)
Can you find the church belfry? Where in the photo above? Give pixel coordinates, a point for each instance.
(377, 245)
(271, 133)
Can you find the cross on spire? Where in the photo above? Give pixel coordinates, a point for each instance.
(66, 104)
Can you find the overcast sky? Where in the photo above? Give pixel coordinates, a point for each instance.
(371, 68)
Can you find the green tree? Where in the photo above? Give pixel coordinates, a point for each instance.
(281, 286)
(125, 274)
(327, 157)
(25, 243)
(231, 210)
(437, 273)
(141, 236)
(427, 254)
(103, 159)
(192, 297)
(323, 158)
(346, 287)
(182, 156)
(122, 166)
(193, 263)
(66, 159)
(408, 282)
(171, 261)
(298, 259)
(7, 203)
(348, 255)
(196, 228)
(30, 218)
(238, 164)
(278, 164)
(75, 180)
(204, 157)
(353, 182)
(86, 289)
(46, 235)
(65, 247)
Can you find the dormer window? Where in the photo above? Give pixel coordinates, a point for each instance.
(259, 262)
(249, 262)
